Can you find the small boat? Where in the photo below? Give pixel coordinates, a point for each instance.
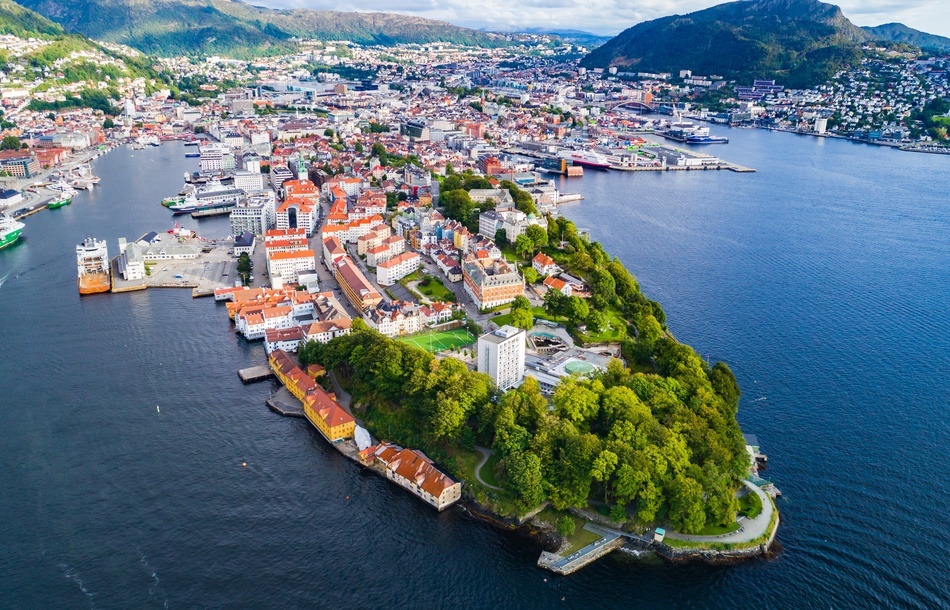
(192, 155)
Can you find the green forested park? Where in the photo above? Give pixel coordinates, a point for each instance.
(646, 444)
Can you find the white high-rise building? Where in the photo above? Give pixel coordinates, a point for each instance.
(501, 356)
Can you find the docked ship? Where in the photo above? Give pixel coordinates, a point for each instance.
(92, 261)
(586, 159)
(10, 230)
(62, 200)
(706, 139)
(211, 196)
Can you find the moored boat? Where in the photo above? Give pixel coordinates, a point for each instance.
(10, 230)
(92, 262)
(707, 139)
(59, 202)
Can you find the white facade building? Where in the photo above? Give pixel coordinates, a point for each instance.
(391, 271)
(501, 356)
(287, 265)
(248, 181)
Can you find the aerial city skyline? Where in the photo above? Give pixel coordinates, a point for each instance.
(311, 309)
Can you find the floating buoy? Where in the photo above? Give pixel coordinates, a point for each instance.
(243, 464)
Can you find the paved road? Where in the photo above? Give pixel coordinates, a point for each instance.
(486, 455)
(749, 529)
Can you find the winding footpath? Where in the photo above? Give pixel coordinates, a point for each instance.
(486, 455)
(749, 529)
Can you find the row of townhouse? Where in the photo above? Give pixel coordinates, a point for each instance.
(414, 471)
(400, 318)
(373, 238)
(320, 408)
(350, 232)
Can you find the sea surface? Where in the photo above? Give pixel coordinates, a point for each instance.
(823, 280)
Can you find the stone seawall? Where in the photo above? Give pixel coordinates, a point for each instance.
(716, 556)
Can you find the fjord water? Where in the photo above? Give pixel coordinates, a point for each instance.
(823, 280)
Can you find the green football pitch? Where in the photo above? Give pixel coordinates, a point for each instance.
(441, 340)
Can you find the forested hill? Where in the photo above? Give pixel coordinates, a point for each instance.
(16, 20)
(898, 32)
(798, 42)
(172, 27)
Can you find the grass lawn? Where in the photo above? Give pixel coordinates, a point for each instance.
(614, 332)
(436, 290)
(440, 340)
(579, 539)
(467, 461)
(716, 530)
(537, 312)
(750, 505)
(488, 470)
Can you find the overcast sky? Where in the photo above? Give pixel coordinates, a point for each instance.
(612, 16)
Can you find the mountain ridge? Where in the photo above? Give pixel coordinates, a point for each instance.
(799, 42)
(172, 27)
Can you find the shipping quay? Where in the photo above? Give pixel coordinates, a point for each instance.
(649, 156)
(175, 259)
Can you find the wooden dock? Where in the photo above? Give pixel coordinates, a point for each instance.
(255, 373)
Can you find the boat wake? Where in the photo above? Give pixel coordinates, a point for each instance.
(154, 590)
(74, 576)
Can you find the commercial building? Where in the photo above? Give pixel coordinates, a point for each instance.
(287, 265)
(19, 163)
(297, 212)
(252, 216)
(249, 181)
(491, 282)
(216, 157)
(356, 287)
(501, 356)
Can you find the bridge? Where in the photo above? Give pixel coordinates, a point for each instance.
(630, 105)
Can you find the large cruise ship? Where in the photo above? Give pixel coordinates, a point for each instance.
(589, 159)
(92, 260)
(10, 230)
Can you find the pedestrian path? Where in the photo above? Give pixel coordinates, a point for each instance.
(486, 455)
(749, 529)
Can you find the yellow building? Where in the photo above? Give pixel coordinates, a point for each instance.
(329, 417)
(324, 413)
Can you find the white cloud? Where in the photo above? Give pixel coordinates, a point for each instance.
(611, 16)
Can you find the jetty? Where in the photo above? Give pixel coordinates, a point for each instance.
(610, 541)
(255, 373)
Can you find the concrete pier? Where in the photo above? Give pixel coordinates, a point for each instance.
(255, 373)
(284, 403)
